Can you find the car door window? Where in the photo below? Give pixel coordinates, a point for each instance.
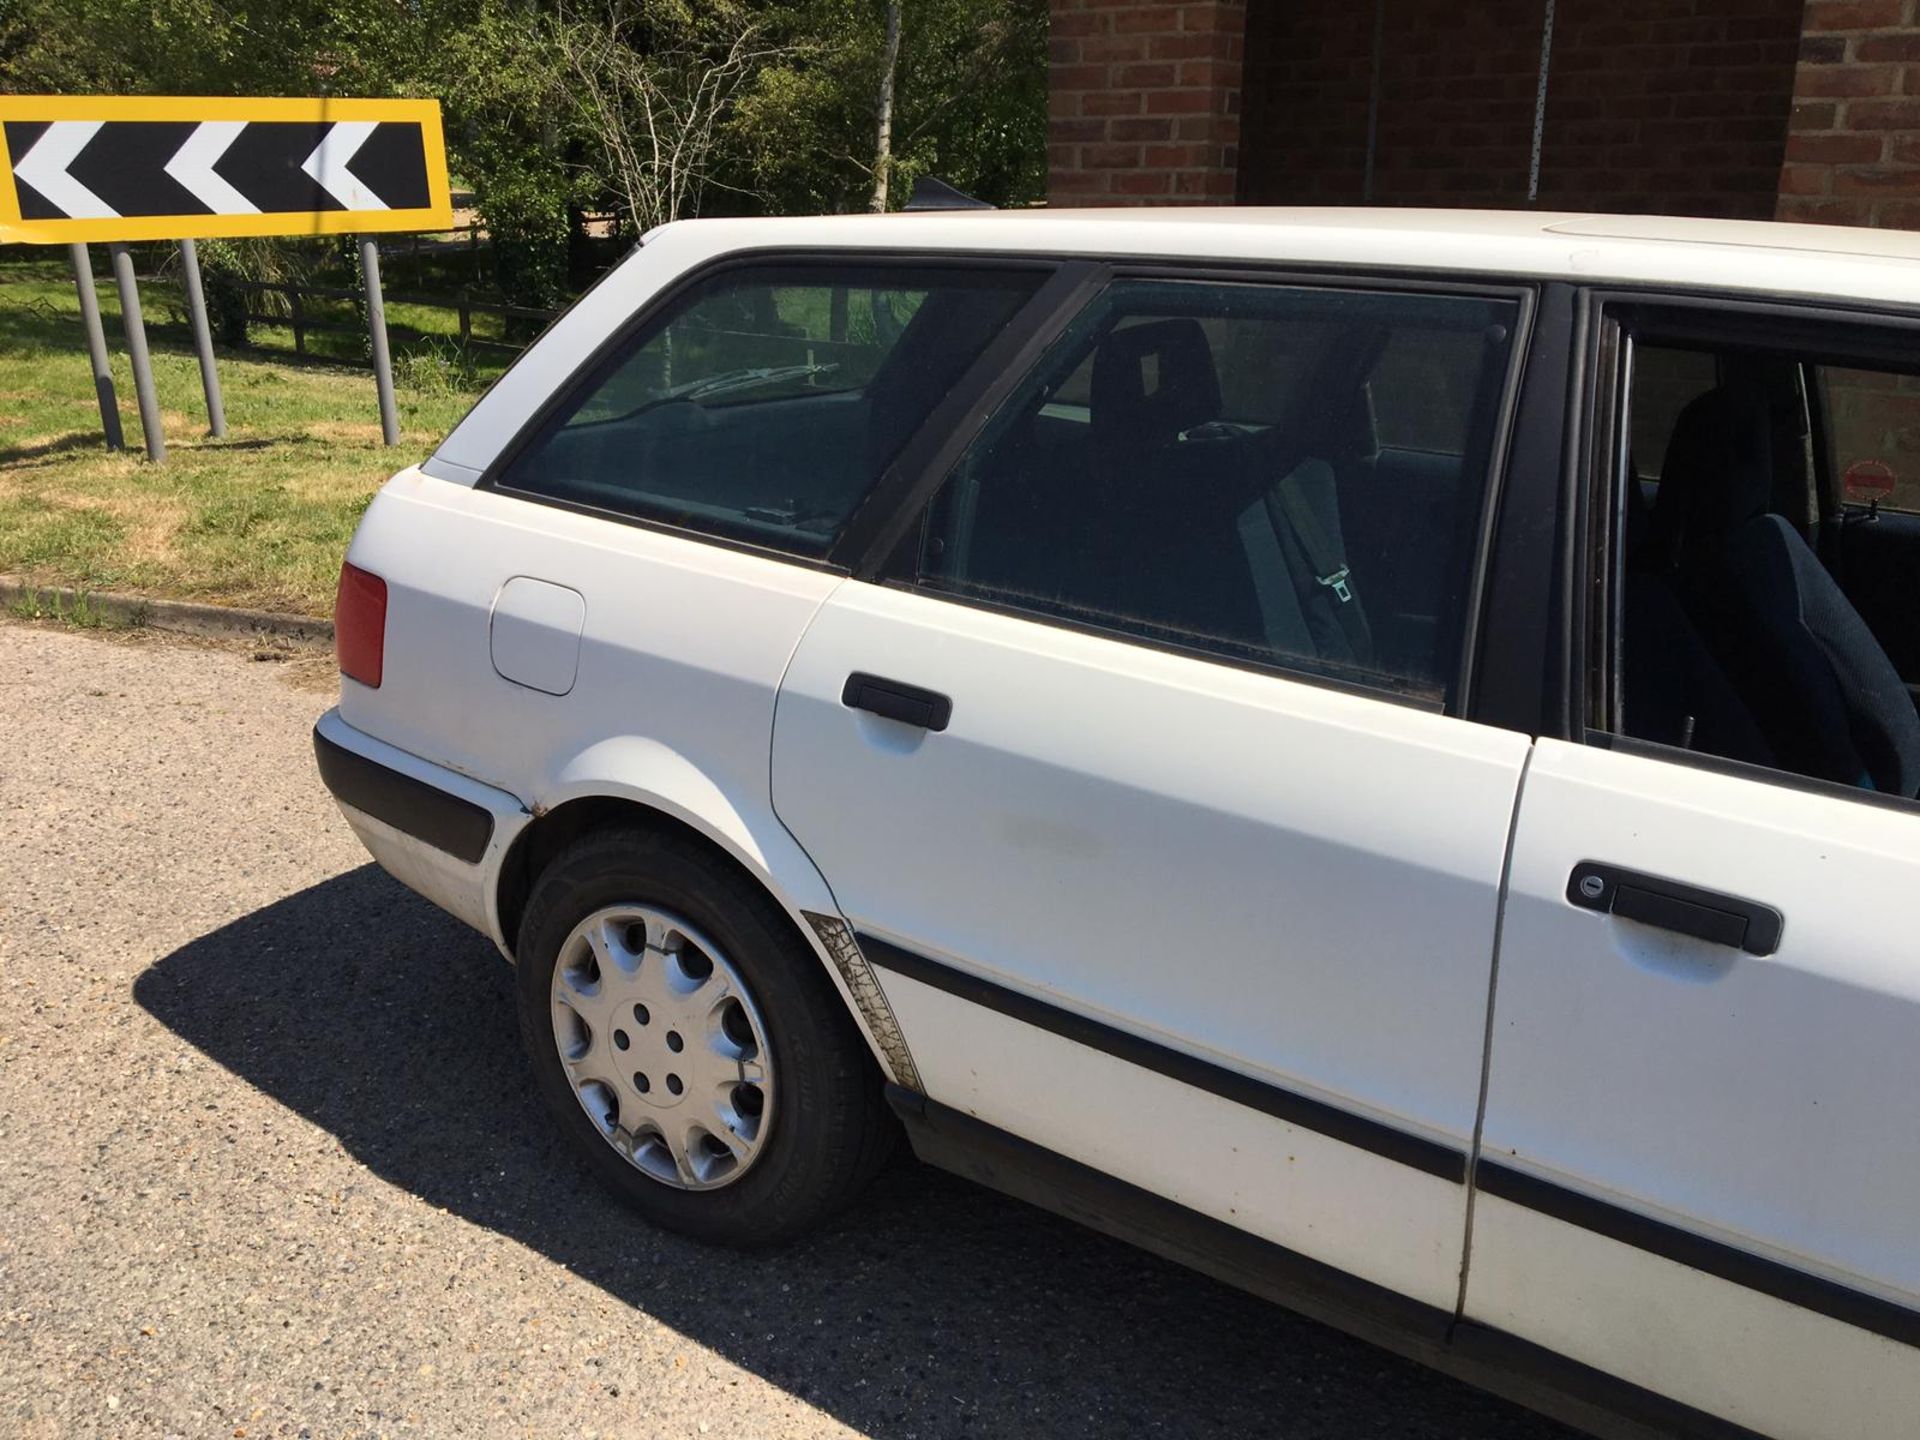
(1735, 637)
(1266, 473)
(762, 404)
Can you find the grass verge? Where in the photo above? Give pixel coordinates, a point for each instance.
(260, 518)
(77, 608)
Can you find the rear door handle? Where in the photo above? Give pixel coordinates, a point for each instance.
(892, 700)
(1668, 905)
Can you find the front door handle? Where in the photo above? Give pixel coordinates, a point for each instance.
(892, 700)
(1668, 905)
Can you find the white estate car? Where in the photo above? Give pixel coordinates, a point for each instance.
(1371, 752)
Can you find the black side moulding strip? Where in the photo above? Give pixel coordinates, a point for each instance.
(1521, 1371)
(1386, 1141)
(1722, 1261)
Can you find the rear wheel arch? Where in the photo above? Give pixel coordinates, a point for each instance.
(551, 832)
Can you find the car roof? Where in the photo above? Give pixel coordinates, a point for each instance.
(1759, 256)
(1870, 267)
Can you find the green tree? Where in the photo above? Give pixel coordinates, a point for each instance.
(650, 85)
(502, 82)
(204, 47)
(969, 104)
(659, 108)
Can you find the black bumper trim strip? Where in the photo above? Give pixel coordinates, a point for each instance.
(424, 811)
(1383, 1140)
(1710, 1257)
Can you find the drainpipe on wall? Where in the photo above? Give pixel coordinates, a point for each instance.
(1539, 107)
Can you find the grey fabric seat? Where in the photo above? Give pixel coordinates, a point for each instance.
(1822, 690)
(1164, 541)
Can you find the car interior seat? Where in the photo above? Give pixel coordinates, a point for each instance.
(1152, 382)
(1238, 530)
(1171, 549)
(1822, 690)
(1674, 691)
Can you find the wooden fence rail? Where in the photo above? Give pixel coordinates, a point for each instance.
(301, 323)
(470, 238)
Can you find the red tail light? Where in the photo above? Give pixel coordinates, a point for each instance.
(360, 625)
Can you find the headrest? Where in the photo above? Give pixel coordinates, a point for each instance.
(1719, 466)
(1153, 381)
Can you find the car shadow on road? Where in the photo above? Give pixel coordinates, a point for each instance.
(933, 1309)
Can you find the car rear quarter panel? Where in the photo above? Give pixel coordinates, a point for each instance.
(681, 655)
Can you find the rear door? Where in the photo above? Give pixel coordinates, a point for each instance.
(1701, 1147)
(1136, 772)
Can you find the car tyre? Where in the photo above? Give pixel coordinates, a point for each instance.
(627, 925)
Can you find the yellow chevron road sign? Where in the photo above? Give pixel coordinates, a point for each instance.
(92, 168)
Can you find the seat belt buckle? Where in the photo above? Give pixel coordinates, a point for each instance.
(1337, 582)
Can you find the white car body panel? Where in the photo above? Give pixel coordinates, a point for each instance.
(1724, 1075)
(1777, 1369)
(534, 634)
(683, 642)
(463, 890)
(1294, 882)
(1372, 1217)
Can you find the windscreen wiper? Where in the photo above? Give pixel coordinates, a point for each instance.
(722, 384)
(731, 380)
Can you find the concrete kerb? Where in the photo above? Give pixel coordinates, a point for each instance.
(178, 615)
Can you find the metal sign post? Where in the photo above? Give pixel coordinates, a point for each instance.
(202, 337)
(377, 332)
(96, 346)
(75, 168)
(137, 352)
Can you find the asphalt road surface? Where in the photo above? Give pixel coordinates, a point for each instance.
(270, 1166)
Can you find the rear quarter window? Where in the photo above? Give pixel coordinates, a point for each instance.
(763, 401)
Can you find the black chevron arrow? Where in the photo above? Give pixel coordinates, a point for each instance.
(125, 165)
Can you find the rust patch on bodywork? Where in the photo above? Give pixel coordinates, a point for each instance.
(852, 964)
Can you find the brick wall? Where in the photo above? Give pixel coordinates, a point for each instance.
(1308, 69)
(1804, 109)
(1669, 106)
(1658, 105)
(1457, 85)
(1455, 118)
(1853, 145)
(1144, 102)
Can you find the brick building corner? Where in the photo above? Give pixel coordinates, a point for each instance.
(1796, 109)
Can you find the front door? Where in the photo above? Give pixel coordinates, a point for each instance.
(1137, 779)
(1701, 1149)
